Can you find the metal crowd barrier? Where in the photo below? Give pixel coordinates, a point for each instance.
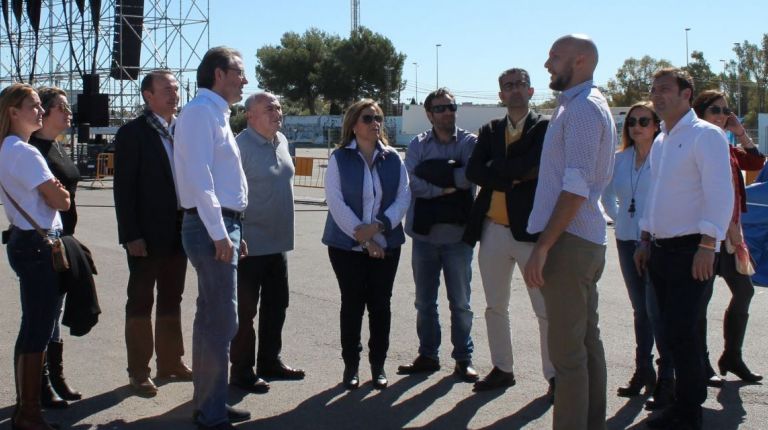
(105, 167)
(310, 172)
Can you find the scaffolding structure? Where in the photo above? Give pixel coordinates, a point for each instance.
(65, 39)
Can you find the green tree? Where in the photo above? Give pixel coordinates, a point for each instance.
(701, 72)
(364, 65)
(752, 71)
(633, 80)
(293, 68)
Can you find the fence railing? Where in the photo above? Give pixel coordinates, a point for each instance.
(310, 172)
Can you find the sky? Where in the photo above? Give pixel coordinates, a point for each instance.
(481, 38)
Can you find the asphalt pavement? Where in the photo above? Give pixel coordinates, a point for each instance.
(95, 364)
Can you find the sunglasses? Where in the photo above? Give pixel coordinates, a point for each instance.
(64, 108)
(442, 108)
(632, 121)
(717, 110)
(367, 119)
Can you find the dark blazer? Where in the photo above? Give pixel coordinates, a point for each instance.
(145, 195)
(494, 167)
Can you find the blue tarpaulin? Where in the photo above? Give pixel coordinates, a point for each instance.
(755, 225)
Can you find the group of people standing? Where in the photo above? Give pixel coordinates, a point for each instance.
(187, 189)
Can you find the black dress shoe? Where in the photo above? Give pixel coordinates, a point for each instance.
(712, 379)
(551, 391)
(220, 426)
(663, 395)
(250, 384)
(421, 364)
(379, 377)
(675, 419)
(351, 379)
(234, 415)
(640, 379)
(180, 372)
(494, 380)
(279, 370)
(465, 371)
(143, 386)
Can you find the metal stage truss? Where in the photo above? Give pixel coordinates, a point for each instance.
(61, 42)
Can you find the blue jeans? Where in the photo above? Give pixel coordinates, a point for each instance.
(216, 317)
(455, 260)
(30, 258)
(645, 310)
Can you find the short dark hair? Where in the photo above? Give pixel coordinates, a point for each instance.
(440, 92)
(48, 95)
(522, 72)
(704, 100)
(219, 57)
(149, 79)
(683, 78)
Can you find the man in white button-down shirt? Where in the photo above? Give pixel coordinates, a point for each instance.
(214, 193)
(689, 206)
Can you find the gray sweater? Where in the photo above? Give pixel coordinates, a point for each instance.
(268, 223)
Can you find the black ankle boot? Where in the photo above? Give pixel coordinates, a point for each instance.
(733, 363)
(56, 369)
(734, 329)
(48, 398)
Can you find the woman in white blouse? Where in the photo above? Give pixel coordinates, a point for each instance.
(624, 200)
(29, 184)
(366, 187)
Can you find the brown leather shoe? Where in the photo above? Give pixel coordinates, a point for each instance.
(180, 371)
(280, 370)
(421, 364)
(465, 371)
(495, 380)
(143, 386)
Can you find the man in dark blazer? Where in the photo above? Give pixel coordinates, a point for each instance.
(149, 227)
(505, 164)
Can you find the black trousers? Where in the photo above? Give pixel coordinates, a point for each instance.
(682, 300)
(364, 282)
(262, 277)
(168, 272)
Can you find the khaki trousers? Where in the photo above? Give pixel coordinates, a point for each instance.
(499, 252)
(571, 272)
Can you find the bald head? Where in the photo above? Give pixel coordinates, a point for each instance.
(572, 60)
(264, 114)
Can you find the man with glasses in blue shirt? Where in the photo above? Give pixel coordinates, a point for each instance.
(441, 199)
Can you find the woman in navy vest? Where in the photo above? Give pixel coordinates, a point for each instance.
(366, 187)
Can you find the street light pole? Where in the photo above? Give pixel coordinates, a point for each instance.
(416, 67)
(437, 65)
(738, 80)
(687, 29)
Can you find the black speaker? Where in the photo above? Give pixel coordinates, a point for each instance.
(92, 109)
(126, 48)
(90, 84)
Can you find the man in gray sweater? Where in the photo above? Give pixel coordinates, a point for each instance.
(268, 230)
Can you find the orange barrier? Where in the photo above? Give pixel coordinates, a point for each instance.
(105, 166)
(310, 172)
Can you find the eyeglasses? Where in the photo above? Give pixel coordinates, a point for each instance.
(441, 108)
(63, 107)
(367, 119)
(717, 110)
(643, 121)
(240, 72)
(515, 85)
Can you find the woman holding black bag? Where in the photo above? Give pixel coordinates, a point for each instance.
(30, 192)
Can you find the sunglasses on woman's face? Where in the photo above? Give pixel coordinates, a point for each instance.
(717, 110)
(643, 121)
(367, 119)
